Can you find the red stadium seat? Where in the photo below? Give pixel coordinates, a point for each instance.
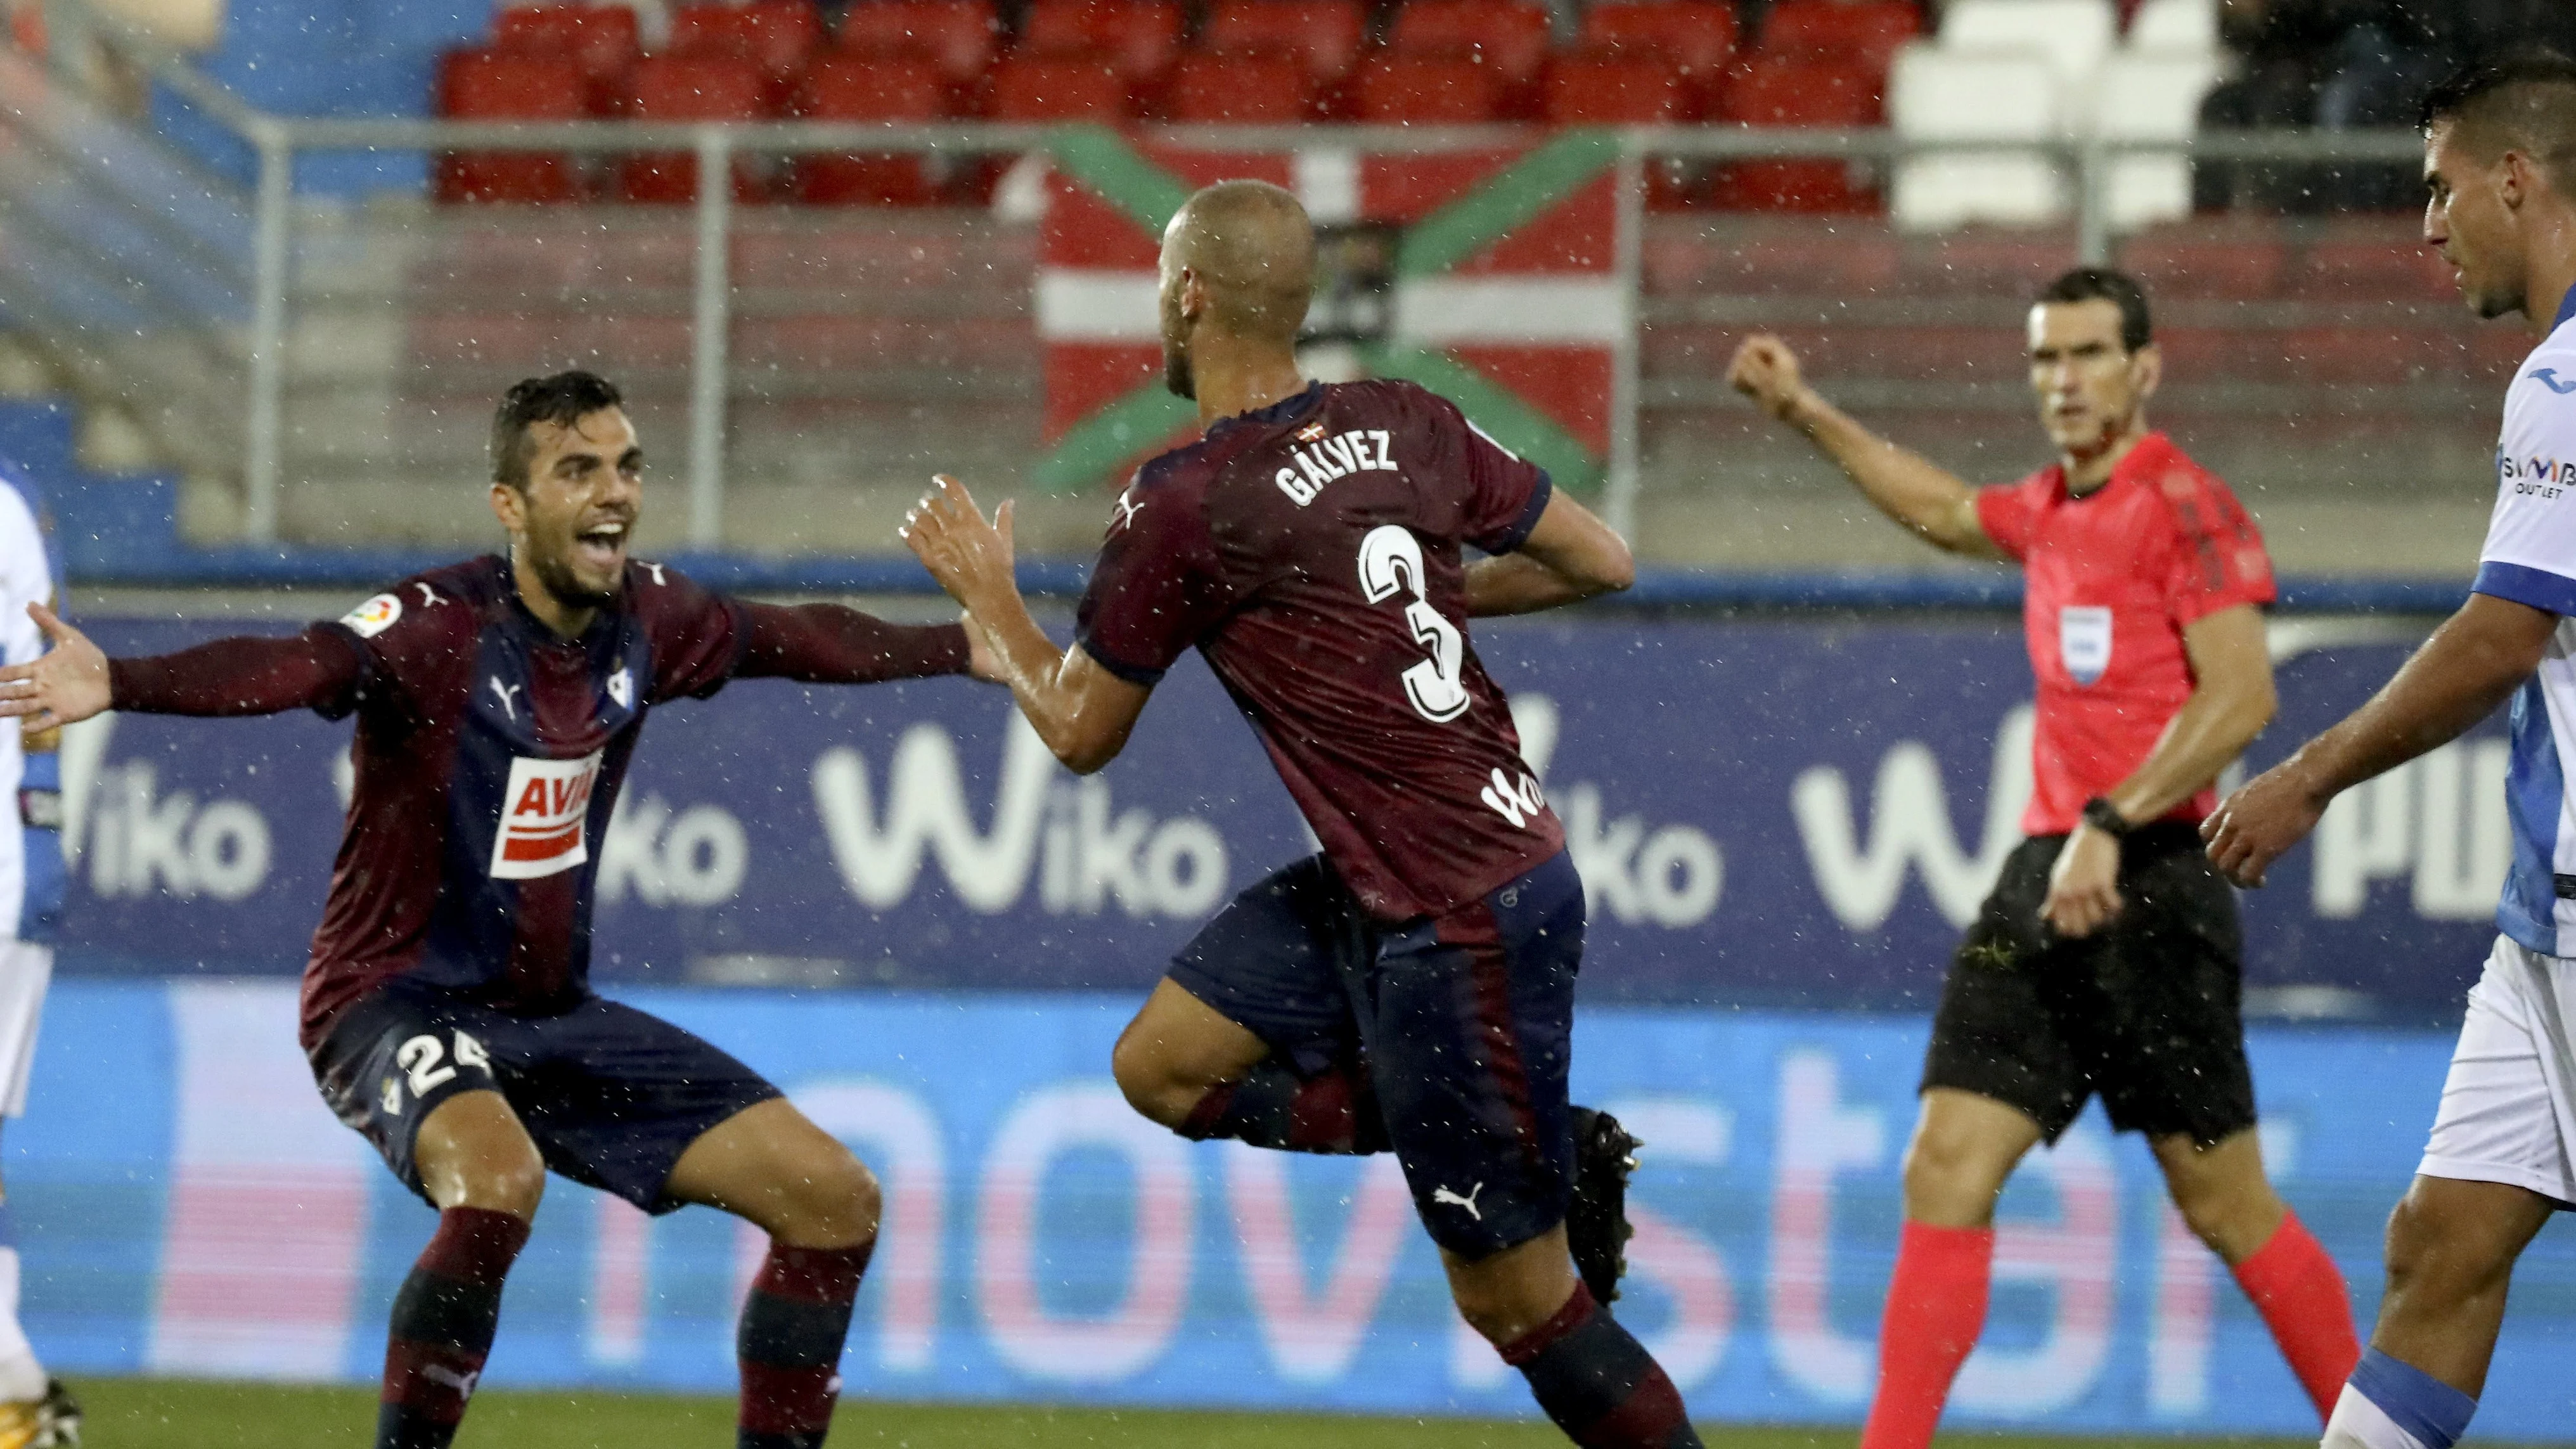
(847, 87)
(599, 39)
(1696, 35)
(1775, 92)
(1141, 37)
(690, 88)
(1512, 37)
(1266, 87)
(1065, 86)
(495, 85)
(1427, 90)
(960, 37)
(1865, 32)
(1615, 87)
(1326, 34)
(781, 35)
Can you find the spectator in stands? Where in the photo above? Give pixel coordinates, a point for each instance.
(2277, 45)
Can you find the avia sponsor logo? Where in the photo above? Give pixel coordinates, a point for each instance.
(2537, 476)
(545, 813)
(1328, 459)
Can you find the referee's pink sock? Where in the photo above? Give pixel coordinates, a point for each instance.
(2301, 1295)
(1936, 1307)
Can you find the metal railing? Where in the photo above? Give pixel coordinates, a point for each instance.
(258, 341)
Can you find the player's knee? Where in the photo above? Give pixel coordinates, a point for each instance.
(2437, 1256)
(509, 1178)
(1948, 1173)
(833, 1200)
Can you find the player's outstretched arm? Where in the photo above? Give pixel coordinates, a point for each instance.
(75, 680)
(1082, 711)
(2472, 663)
(1935, 503)
(2232, 699)
(1569, 556)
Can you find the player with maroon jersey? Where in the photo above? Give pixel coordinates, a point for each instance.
(1412, 987)
(447, 1007)
(2107, 959)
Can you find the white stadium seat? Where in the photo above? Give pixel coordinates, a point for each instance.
(2175, 26)
(1937, 93)
(2149, 97)
(2074, 34)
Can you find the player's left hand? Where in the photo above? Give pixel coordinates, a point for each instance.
(2084, 885)
(2259, 823)
(967, 555)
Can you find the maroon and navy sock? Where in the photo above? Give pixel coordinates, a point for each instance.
(442, 1326)
(1333, 1112)
(793, 1325)
(1598, 1383)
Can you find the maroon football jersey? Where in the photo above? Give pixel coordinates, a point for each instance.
(1311, 551)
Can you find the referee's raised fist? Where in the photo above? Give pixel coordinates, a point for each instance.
(1766, 371)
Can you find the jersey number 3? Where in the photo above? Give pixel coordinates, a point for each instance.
(1391, 563)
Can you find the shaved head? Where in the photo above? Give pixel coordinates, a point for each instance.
(1238, 259)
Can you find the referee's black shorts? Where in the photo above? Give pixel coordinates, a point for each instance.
(2146, 1011)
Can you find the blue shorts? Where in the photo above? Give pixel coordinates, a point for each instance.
(1463, 1023)
(610, 1095)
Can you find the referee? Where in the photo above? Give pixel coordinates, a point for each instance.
(2106, 961)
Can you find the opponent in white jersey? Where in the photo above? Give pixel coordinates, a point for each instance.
(34, 1411)
(2500, 162)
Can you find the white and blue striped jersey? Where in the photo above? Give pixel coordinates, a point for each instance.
(30, 871)
(2530, 558)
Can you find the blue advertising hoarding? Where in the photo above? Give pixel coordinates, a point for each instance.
(1783, 812)
(189, 1207)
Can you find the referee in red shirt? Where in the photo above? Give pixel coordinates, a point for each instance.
(2107, 959)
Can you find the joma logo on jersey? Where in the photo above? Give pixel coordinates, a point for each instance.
(1326, 460)
(545, 814)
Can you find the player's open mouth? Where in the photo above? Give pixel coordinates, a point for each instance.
(603, 547)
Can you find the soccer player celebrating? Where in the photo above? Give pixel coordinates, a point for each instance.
(2106, 960)
(2500, 162)
(447, 1009)
(1412, 987)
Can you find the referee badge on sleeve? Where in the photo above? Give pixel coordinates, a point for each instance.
(2084, 640)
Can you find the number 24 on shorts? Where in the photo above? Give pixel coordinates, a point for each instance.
(422, 1061)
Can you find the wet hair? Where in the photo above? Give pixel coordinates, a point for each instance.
(2101, 284)
(563, 399)
(2518, 100)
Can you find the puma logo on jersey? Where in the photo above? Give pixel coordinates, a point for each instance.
(1126, 509)
(1443, 1197)
(1330, 459)
(1517, 801)
(428, 596)
(463, 1383)
(655, 570)
(502, 692)
(545, 817)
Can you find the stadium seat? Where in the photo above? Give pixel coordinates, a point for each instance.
(1327, 35)
(600, 39)
(2074, 34)
(1140, 37)
(1426, 90)
(2150, 97)
(1774, 91)
(2185, 27)
(843, 86)
(1939, 94)
(1613, 87)
(1696, 35)
(499, 85)
(1511, 37)
(1065, 86)
(1867, 33)
(960, 37)
(781, 35)
(690, 88)
(1264, 87)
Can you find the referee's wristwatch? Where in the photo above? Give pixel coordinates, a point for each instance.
(2104, 816)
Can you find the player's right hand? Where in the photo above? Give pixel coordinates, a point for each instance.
(66, 685)
(1766, 371)
(2260, 822)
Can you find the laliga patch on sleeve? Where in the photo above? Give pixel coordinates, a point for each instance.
(374, 616)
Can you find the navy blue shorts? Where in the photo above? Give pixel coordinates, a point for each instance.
(611, 1095)
(1463, 1022)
